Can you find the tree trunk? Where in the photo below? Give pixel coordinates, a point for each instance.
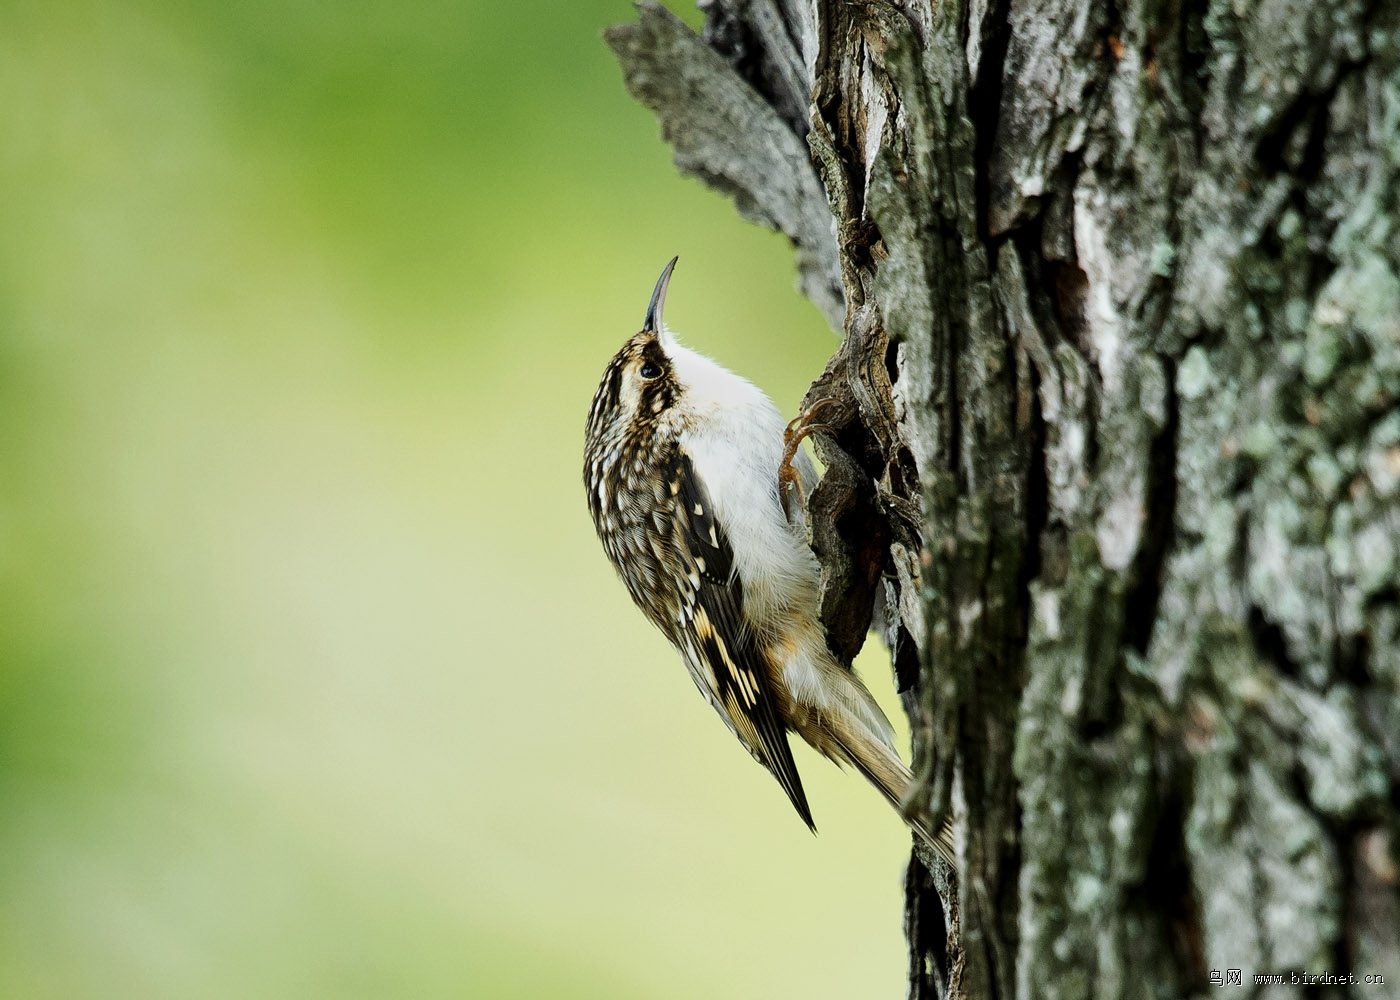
(1119, 288)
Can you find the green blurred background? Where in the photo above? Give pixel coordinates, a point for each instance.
(314, 681)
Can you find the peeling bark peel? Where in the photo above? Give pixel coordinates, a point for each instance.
(1118, 451)
(729, 137)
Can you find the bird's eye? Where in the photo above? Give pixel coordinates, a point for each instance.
(651, 370)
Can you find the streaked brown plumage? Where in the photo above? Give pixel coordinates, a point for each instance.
(681, 467)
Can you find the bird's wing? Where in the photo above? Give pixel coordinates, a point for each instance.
(719, 646)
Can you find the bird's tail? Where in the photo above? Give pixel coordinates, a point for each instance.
(852, 730)
(883, 769)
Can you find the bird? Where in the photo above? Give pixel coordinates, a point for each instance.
(683, 461)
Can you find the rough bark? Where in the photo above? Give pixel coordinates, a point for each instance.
(1119, 289)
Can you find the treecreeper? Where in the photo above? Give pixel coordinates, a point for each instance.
(691, 474)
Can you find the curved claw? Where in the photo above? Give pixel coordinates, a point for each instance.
(789, 479)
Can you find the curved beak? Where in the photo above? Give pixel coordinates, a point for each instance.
(652, 324)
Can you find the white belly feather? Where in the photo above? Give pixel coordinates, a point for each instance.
(736, 446)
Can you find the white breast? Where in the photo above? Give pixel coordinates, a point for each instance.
(734, 436)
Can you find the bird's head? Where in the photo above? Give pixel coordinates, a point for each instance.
(640, 384)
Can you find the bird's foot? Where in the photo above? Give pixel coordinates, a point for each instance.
(789, 479)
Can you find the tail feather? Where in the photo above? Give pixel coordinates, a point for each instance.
(883, 769)
(849, 728)
(846, 740)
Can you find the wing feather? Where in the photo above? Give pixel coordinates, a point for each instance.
(718, 633)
